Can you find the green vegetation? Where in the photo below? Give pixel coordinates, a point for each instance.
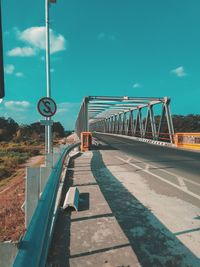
(20, 142)
(189, 123)
(13, 154)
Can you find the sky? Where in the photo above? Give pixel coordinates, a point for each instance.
(100, 47)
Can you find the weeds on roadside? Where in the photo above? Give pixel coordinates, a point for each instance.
(14, 154)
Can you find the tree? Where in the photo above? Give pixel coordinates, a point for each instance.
(59, 129)
(8, 128)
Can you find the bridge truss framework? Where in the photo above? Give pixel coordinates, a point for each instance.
(133, 116)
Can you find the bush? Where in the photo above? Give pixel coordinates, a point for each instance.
(4, 172)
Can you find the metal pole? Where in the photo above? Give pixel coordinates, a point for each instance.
(48, 129)
(2, 93)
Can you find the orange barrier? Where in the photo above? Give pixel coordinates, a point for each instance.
(187, 140)
(86, 141)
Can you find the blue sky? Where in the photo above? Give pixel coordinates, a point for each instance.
(100, 47)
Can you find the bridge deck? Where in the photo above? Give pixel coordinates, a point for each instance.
(126, 217)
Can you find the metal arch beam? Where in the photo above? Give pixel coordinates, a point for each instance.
(123, 98)
(116, 114)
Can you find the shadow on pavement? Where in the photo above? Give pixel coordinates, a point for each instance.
(84, 202)
(102, 147)
(59, 250)
(153, 243)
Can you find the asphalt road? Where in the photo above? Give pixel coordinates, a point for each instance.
(182, 162)
(165, 180)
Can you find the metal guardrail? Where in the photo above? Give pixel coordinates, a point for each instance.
(33, 248)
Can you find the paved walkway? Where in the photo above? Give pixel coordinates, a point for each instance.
(91, 236)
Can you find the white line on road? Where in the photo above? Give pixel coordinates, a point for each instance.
(181, 182)
(147, 167)
(183, 188)
(179, 178)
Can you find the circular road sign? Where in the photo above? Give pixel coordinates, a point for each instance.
(47, 107)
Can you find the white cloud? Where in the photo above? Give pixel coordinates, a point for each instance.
(22, 52)
(17, 105)
(19, 74)
(111, 37)
(24, 112)
(67, 110)
(35, 36)
(9, 69)
(101, 36)
(66, 106)
(137, 85)
(179, 72)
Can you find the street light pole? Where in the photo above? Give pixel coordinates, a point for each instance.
(48, 80)
(48, 129)
(2, 93)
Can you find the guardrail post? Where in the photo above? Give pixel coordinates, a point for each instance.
(49, 160)
(8, 251)
(33, 248)
(44, 175)
(32, 192)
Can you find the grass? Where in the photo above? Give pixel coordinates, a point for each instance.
(14, 154)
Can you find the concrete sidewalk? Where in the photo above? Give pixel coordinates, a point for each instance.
(91, 236)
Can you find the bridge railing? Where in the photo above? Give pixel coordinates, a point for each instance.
(33, 248)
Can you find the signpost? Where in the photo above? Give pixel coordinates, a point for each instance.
(2, 93)
(46, 122)
(47, 107)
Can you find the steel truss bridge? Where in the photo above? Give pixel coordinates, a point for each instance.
(133, 116)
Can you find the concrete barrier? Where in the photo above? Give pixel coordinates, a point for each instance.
(32, 193)
(44, 175)
(72, 198)
(188, 140)
(8, 251)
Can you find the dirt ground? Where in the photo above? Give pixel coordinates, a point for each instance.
(12, 197)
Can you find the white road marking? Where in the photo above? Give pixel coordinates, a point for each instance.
(179, 178)
(182, 188)
(181, 182)
(147, 167)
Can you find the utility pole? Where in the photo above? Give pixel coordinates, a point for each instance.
(48, 129)
(2, 93)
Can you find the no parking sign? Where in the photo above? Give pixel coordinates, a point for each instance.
(47, 107)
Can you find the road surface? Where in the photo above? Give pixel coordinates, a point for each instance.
(166, 180)
(139, 206)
